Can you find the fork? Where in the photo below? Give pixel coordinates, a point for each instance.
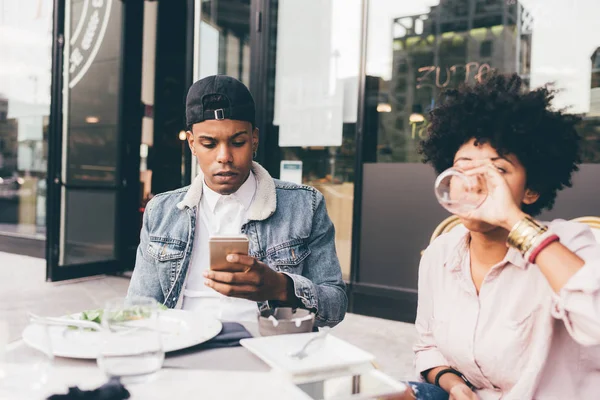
(66, 322)
(302, 353)
(91, 324)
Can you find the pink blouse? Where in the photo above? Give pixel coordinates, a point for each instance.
(517, 339)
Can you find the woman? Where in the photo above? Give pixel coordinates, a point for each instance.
(510, 306)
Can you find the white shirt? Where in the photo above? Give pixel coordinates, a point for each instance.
(218, 215)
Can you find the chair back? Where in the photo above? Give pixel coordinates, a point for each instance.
(592, 222)
(445, 226)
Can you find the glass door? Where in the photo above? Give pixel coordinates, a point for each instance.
(88, 182)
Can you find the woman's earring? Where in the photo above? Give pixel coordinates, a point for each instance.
(254, 154)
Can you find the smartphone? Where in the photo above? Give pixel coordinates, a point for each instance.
(221, 246)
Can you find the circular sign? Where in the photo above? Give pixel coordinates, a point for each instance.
(87, 37)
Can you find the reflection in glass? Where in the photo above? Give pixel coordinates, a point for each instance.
(147, 97)
(417, 49)
(225, 39)
(313, 68)
(93, 98)
(25, 74)
(90, 226)
(224, 43)
(91, 133)
(590, 125)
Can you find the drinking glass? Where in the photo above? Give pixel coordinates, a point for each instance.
(458, 192)
(131, 348)
(24, 370)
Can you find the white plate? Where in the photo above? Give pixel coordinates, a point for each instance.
(328, 356)
(189, 329)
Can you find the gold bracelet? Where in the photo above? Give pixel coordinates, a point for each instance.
(536, 242)
(524, 234)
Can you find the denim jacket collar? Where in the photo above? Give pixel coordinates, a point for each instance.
(265, 199)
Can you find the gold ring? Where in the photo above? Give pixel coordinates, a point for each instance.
(246, 270)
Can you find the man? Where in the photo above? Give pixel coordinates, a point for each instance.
(292, 259)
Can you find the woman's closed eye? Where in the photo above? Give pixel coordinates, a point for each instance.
(500, 169)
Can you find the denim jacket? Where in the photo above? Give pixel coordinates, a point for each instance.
(288, 228)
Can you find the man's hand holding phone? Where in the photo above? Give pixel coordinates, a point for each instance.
(240, 275)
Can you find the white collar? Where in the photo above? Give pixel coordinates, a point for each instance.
(265, 199)
(244, 194)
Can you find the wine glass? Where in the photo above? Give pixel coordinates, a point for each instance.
(458, 192)
(131, 348)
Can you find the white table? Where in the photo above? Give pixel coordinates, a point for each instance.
(185, 374)
(225, 373)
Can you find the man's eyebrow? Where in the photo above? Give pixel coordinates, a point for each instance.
(206, 137)
(238, 134)
(235, 135)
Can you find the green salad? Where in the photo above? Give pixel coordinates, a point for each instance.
(128, 314)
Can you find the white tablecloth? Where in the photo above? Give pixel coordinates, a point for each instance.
(172, 384)
(226, 373)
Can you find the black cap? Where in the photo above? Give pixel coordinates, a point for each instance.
(234, 100)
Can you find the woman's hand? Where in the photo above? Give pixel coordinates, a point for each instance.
(499, 208)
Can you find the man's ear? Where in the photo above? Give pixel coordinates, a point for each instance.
(190, 140)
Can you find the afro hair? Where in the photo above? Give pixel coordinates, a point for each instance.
(513, 120)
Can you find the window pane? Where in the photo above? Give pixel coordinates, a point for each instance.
(93, 99)
(313, 102)
(89, 226)
(224, 45)
(225, 39)
(91, 139)
(25, 75)
(416, 49)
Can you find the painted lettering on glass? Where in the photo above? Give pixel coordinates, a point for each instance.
(435, 76)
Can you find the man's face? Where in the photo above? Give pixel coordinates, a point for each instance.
(224, 150)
